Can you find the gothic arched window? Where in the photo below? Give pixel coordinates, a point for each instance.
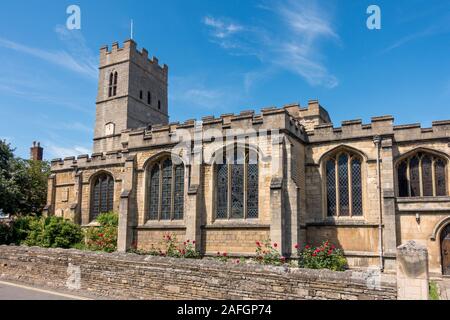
(102, 195)
(236, 182)
(112, 88)
(422, 175)
(166, 190)
(343, 173)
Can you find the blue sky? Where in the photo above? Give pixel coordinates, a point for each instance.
(223, 56)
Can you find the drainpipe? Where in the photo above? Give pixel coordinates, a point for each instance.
(377, 142)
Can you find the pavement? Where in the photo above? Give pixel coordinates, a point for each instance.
(13, 291)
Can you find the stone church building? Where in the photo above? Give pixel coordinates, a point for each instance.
(284, 173)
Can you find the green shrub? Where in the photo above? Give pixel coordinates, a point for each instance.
(434, 290)
(327, 256)
(103, 237)
(16, 230)
(266, 253)
(53, 232)
(21, 228)
(172, 248)
(5, 233)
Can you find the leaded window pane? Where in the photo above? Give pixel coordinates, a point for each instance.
(222, 191)
(427, 177)
(102, 195)
(237, 191)
(179, 193)
(331, 188)
(166, 194)
(403, 179)
(154, 193)
(357, 207)
(95, 200)
(414, 176)
(441, 187)
(252, 191)
(110, 194)
(344, 208)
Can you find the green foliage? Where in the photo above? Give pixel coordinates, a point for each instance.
(16, 230)
(108, 219)
(327, 256)
(103, 237)
(53, 232)
(172, 248)
(175, 250)
(5, 233)
(21, 228)
(434, 291)
(23, 183)
(266, 253)
(222, 256)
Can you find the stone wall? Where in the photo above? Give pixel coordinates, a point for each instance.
(129, 276)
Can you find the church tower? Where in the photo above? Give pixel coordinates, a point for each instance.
(132, 93)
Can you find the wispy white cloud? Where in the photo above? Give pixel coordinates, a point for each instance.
(29, 91)
(409, 38)
(297, 50)
(440, 25)
(192, 91)
(222, 29)
(76, 58)
(77, 126)
(58, 151)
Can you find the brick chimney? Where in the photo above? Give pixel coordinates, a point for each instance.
(36, 151)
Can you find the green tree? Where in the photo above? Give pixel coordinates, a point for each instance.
(23, 183)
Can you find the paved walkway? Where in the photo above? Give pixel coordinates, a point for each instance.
(12, 291)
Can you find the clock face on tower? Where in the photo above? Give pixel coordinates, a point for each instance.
(109, 129)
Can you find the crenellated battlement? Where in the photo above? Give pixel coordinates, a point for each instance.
(382, 125)
(130, 52)
(408, 132)
(96, 159)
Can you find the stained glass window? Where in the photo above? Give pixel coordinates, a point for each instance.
(403, 179)
(331, 187)
(154, 193)
(427, 177)
(441, 187)
(344, 185)
(222, 190)
(252, 187)
(357, 205)
(237, 191)
(179, 192)
(237, 185)
(423, 181)
(414, 177)
(102, 195)
(344, 209)
(166, 191)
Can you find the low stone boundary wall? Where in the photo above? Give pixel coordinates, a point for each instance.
(130, 276)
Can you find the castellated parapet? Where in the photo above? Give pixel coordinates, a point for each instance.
(129, 52)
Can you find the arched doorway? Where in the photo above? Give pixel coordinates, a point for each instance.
(445, 250)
